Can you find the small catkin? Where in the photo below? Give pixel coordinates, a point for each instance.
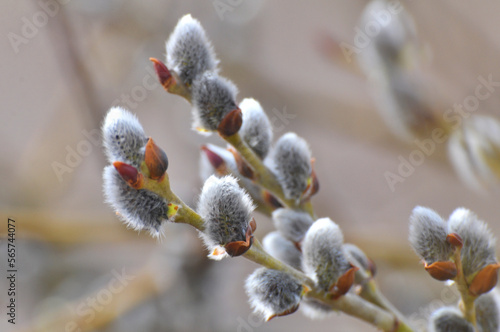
(292, 224)
(256, 129)
(189, 52)
(428, 233)
(449, 319)
(226, 209)
(123, 137)
(213, 98)
(273, 293)
(478, 243)
(487, 312)
(284, 250)
(291, 161)
(139, 209)
(323, 258)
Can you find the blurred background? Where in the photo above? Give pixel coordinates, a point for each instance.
(64, 63)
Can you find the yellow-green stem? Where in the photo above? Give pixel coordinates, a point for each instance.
(467, 301)
(372, 293)
(362, 309)
(258, 255)
(185, 214)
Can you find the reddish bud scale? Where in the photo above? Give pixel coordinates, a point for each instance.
(231, 123)
(244, 169)
(442, 270)
(485, 280)
(271, 200)
(455, 240)
(238, 248)
(156, 160)
(284, 313)
(164, 76)
(130, 174)
(344, 283)
(215, 160)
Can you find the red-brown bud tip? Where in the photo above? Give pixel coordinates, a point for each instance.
(485, 280)
(215, 160)
(238, 248)
(244, 169)
(156, 160)
(345, 282)
(442, 271)
(130, 174)
(455, 240)
(164, 76)
(231, 123)
(271, 200)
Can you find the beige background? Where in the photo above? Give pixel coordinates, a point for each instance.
(68, 74)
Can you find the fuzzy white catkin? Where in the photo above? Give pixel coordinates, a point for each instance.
(291, 162)
(479, 245)
(292, 224)
(449, 319)
(323, 258)
(356, 256)
(272, 292)
(487, 312)
(226, 210)
(256, 129)
(427, 236)
(139, 209)
(213, 98)
(473, 150)
(123, 137)
(189, 52)
(282, 249)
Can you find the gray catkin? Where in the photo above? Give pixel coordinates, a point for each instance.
(291, 160)
(448, 319)
(189, 52)
(487, 312)
(323, 258)
(213, 98)
(123, 137)
(427, 235)
(226, 210)
(140, 209)
(479, 245)
(292, 224)
(256, 129)
(272, 292)
(282, 249)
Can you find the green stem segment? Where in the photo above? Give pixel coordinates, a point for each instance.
(184, 214)
(467, 302)
(362, 309)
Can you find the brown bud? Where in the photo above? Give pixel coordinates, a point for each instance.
(455, 240)
(231, 123)
(130, 174)
(271, 200)
(344, 283)
(444, 270)
(253, 225)
(164, 76)
(156, 160)
(243, 168)
(238, 248)
(485, 280)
